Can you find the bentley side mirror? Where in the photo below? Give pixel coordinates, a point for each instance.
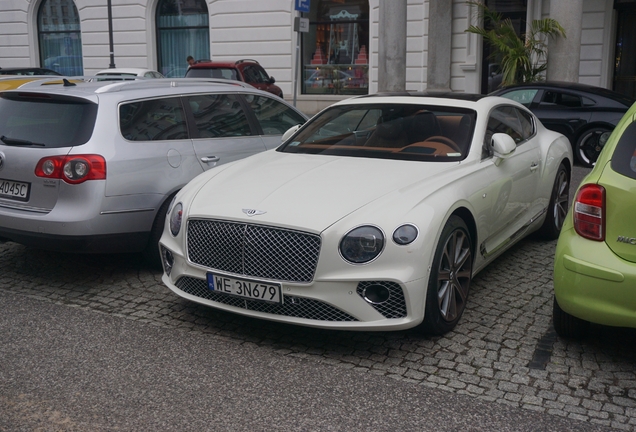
(503, 147)
(289, 132)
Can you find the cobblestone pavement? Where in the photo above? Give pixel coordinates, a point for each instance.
(504, 349)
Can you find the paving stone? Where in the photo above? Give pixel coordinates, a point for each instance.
(486, 357)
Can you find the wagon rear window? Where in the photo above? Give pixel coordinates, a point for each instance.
(43, 120)
(388, 131)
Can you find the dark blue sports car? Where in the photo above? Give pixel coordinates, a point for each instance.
(585, 114)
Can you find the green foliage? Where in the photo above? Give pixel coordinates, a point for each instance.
(521, 59)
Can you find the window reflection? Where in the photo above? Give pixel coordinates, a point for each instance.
(335, 56)
(219, 115)
(153, 120)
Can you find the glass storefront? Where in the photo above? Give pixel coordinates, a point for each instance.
(335, 50)
(59, 37)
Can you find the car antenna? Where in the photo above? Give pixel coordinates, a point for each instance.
(67, 83)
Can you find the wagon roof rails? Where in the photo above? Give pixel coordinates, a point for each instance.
(132, 83)
(172, 82)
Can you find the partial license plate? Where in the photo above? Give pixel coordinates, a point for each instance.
(14, 190)
(264, 291)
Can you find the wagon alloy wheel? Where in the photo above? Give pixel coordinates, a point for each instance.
(450, 278)
(558, 206)
(589, 146)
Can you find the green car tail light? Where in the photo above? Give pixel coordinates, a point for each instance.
(589, 212)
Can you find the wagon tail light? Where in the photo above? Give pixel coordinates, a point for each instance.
(589, 212)
(73, 169)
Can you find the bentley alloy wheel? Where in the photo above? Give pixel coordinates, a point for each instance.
(450, 278)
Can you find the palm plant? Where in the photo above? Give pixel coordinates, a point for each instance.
(521, 59)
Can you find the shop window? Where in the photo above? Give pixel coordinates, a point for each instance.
(182, 31)
(335, 50)
(59, 37)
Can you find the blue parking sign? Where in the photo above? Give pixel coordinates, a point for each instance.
(302, 5)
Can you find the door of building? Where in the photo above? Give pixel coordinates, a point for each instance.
(516, 11)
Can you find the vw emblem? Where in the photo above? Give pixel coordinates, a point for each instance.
(1, 160)
(253, 212)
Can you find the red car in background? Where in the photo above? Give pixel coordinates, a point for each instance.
(246, 70)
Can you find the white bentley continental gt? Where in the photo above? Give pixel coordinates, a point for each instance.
(374, 215)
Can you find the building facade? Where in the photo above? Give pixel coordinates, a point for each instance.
(336, 58)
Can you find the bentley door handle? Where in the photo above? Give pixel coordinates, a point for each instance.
(210, 159)
(534, 166)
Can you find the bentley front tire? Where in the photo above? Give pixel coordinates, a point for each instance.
(450, 278)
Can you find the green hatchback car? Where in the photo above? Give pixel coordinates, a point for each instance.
(595, 262)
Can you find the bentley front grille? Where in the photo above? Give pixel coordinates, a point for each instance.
(253, 250)
(297, 307)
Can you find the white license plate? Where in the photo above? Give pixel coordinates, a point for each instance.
(264, 291)
(14, 190)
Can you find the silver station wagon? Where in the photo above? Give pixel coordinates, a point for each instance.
(92, 166)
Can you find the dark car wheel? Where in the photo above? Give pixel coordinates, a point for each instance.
(590, 144)
(566, 325)
(151, 254)
(558, 206)
(450, 278)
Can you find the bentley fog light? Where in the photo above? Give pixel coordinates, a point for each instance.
(405, 234)
(175, 219)
(168, 260)
(362, 244)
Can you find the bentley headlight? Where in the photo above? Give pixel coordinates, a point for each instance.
(175, 219)
(362, 244)
(405, 234)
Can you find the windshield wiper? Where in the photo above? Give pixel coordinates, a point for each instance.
(19, 142)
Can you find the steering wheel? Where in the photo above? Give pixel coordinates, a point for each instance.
(444, 140)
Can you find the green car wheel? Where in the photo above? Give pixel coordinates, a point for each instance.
(566, 325)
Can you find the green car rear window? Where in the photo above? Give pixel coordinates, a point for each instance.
(43, 120)
(624, 157)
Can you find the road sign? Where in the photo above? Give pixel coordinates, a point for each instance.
(301, 24)
(301, 5)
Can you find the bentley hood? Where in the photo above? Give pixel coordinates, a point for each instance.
(299, 191)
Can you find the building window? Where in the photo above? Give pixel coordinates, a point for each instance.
(335, 50)
(182, 31)
(59, 37)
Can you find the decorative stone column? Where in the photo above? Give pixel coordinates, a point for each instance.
(564, 53)
(438, 68)
(392, 46)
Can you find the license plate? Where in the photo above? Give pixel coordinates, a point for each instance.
(14, 190)
(264, 291)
